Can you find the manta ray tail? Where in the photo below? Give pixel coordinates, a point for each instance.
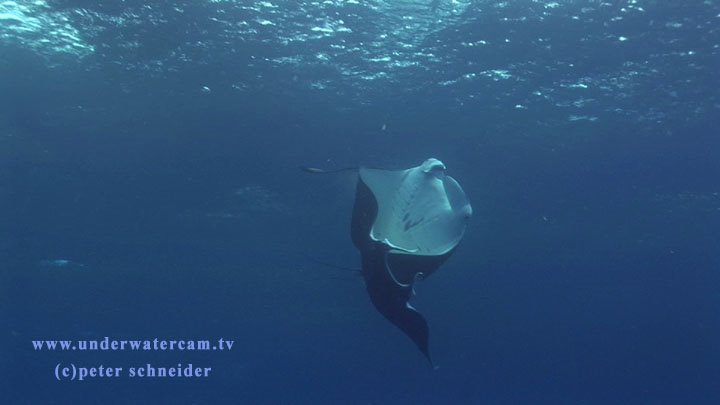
(315, 170)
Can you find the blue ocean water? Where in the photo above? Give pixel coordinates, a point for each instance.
(149, 155)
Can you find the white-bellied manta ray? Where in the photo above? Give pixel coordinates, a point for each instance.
(405, 223)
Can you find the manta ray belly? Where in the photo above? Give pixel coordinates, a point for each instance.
(421, 210)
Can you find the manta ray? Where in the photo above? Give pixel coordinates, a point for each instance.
(405, 223)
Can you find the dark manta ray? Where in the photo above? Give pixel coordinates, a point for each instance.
(405, 224)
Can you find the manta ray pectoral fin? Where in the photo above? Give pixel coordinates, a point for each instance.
(391, 300)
